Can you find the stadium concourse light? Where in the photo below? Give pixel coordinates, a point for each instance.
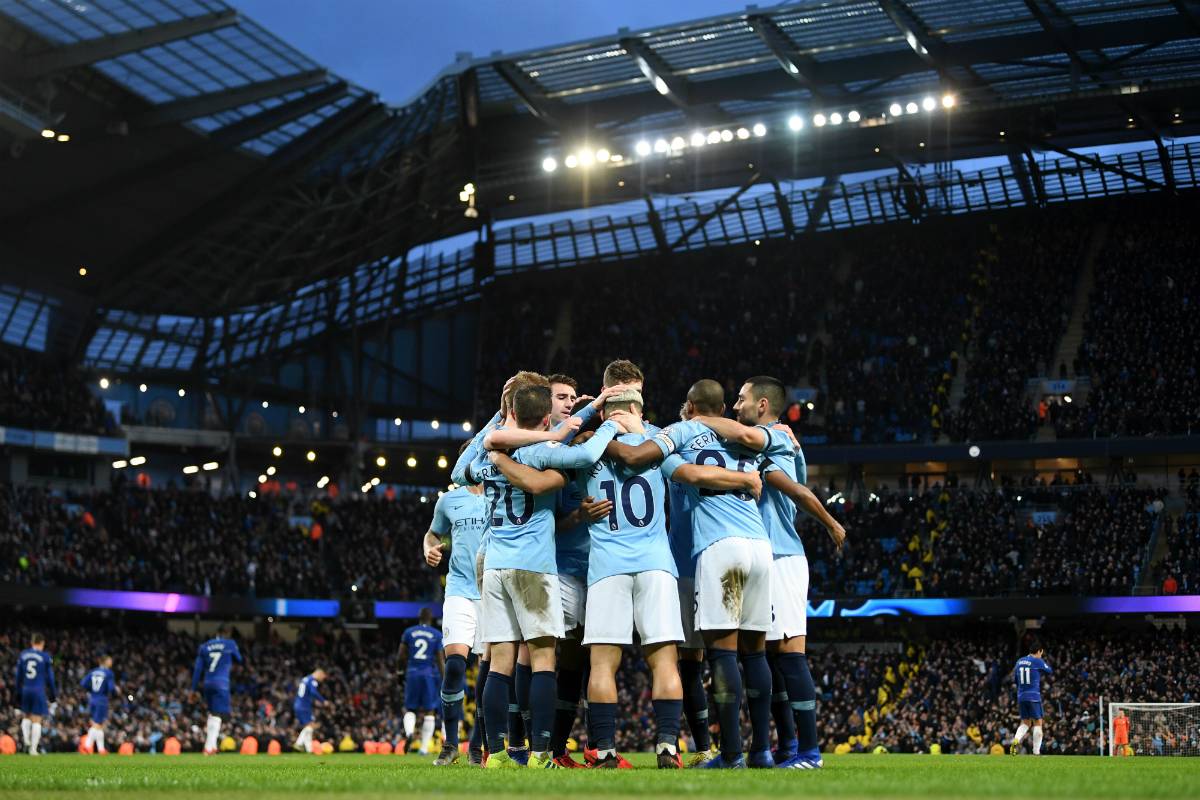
(137, 461)
(253, 495)
(311, 456)
(374, 481)
(948, 101)
(760, 129)
(435, 424)
(142, 388)
(270, 470)
(210, 466)
(928, 104)
(48, 134)
(742, 133)
(381, 462)
(301, 409)
(697, 139)
(321, 484)
(442, 462)
(795, 123)
(549, 165)
(262, 478)
(190, 470)
(643, 148)
(714, 137)
(726, 135)
(661, 146)
(397, 421)
(571, 161)
(895, 110)
(853, 116)
(182, 392)
(678, 143)
(819, 120)
(104, 383)
(586, 158)
(120, 464)
(265, 403)
(835, 118)
(602, 155)
(277, 450)
(911, 108)
(412, 462)
(467, 426)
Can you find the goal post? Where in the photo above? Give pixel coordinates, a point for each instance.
(1156, 729)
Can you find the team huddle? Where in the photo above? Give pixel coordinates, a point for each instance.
(576, 523)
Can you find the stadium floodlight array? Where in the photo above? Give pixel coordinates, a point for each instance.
(1156, 729)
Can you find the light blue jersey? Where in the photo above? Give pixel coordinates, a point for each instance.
(470, 464)
(777, 509)
(522, 524)
(465, 517)
(571, 548)
(717, 514)
(680, 533)
(633, 537)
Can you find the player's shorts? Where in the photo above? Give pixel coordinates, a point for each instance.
(789, 597)
(574, 593)
(692, 638)
(733, 585)
(519, 605)
(34, 703)
(645, 600)
(99, 711)
(460, 622)
(304, 714)
(1030, 709)
(480, 557)
(422, 691)
(217, 699)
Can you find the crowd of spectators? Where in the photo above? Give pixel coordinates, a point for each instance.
(36, 396)
(1141, 343)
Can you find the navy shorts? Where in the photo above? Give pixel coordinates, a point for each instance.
(422, 691)
(99, 711)
(217, 699)
(1030, 709)
(304, 716)
(34, 703)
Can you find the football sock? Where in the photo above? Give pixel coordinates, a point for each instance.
(758, 698)
(543, 692)
(570, 683)
(666, 720)
(304, 738)
(98, 737)
(479, 731)
(1021, 731)
(604, 723)
(516, 722)
(495, 711)
(727, 694)
(802, 695)
(781, 710)
(91, 737)
(26, 730)
(410, 723)
(427, 726)
(587, 719)
(1037, 740)
(35, 736)
(214, 730)
(695, 703)
(452, 696)
(521, 680)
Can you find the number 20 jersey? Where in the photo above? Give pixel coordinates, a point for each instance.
(633, 537)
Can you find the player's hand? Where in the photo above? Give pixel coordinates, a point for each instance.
(608, 393)
(595, 511)
(838, 534)
(193, 697)
(627, 422)
(754, 484)
(568, 428)
(779, 426)
(494, 456)
(433, 555)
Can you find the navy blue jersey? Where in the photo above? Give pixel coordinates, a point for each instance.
(307, 694)
(1028, 673)
(34, 672)
(424, 642)
(214, 659)
(100, 684)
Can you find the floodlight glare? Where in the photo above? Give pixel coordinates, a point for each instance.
(795, 123)
(586, 158)
(948, 101)
(571, 161)
(549, 165)
(643, 148)
(742, 133)
(677, 143)
(928, 104)
(602, 155)
(714, 137)
(835, 118)
(911, 108)
(660, 146)
(819, 120)
(697, 139)
(761, 130)
(853, 116)
(895, 110)
(726, 135)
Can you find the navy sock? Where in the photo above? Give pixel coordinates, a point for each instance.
(521, 680)
(666, 720)
(516, 722)
(495, 710)
(803, 697)
(479, 732)
(570, 683)
(452, 696)
(695, 703)
(727, 694)
(781, 710)
(604, 723)
(758, 698)
(543, 692)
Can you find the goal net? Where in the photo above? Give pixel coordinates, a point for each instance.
(1154, 729)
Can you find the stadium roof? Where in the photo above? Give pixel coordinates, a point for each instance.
(212, 171)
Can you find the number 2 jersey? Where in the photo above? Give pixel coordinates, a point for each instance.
(214, 659)
(423, 642)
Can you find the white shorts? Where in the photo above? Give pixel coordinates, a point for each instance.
(574, 593)
(460, 622)
(789, 597)
(692, 638)
(733, 585)
(646, 600)
(519, 605)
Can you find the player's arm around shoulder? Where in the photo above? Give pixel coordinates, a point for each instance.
(733, 431)
(709, 476)
(807, 502)
(525, 477)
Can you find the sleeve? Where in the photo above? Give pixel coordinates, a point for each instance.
(670, 464)
(84, 682)
(50, 678)
(777, 443)
(461, 475)
(441, 523)
(574, 456)
(585, 415)
(315, 694)
(112, 685)
(669, 439)
(237, 654)
(197, 671)
(1046, 668)
(801, 468)
(767, 465)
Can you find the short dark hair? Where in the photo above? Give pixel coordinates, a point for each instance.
(531, 404)
(222, 628)
(425, 615)
(37, 638)
(558, 377)
(1035, 645)
(707, 396)
(622, 371)
(771, 388)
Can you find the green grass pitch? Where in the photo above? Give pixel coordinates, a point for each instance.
(262, 777)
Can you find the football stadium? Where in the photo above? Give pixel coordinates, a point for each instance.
(808, 388)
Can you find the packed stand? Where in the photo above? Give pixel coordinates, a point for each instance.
(1024, 295)
(35, 396)
(187, 541)
(956, 693)
(952, 543)
(1141, 343)
(1177, 572)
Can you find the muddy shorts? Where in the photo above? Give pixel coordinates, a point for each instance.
(519, 605)
(733, 585)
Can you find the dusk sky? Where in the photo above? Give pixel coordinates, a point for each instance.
(394, 47)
